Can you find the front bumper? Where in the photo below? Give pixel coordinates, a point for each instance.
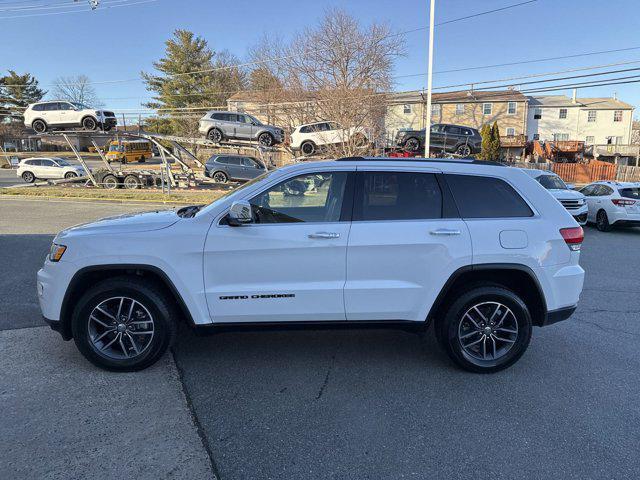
(109, 122)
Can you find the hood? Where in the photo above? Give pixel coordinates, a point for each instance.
(564, 194)
(129, 223)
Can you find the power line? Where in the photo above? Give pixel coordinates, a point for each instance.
(271, 59)
(77, 10)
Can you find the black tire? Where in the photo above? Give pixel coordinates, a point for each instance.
(154, 301)
(215, 135)
(39, 126)
(464, 150)
(412, 144)
(89, 123)
(69, 175)
(143, 159)
(131, 182)
(308, 148)
(110, 182)
(602, 221)
(28, 177)
(220, 177)
(456, 324)
(266, 139)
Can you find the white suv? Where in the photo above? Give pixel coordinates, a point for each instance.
(570, 199)
(313, 136)
(48, 168)
(43, 116)
(478, 249)
(613, 204)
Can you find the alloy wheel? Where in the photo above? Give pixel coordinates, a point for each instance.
(412, 145)
(487, 331)
(265, 139)
(120, 328)
(219, 177)
(464, 150)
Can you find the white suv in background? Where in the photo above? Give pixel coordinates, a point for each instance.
(478, 249)
(570, 199)
(313, 136)
(48, 168)
(43, 116)
(613, 204)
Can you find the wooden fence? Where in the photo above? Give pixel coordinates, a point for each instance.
(582, 173)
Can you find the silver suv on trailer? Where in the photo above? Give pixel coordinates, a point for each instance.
(220, 126)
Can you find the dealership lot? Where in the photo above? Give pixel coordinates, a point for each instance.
(320, 404)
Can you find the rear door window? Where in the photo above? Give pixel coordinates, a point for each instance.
(232, 160)
(451, 130)
(633, 193)
(486, 197)
(397, 196)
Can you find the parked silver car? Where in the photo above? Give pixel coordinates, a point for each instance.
(220, 126)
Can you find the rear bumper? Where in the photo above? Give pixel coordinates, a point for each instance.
(555, 316)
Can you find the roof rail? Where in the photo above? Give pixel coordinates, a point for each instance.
(472, 161)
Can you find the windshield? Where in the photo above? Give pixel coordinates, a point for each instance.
(80, 106)
(254, 120)
(552, 182)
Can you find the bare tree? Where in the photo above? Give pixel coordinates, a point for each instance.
(338, 71)
(76, 89)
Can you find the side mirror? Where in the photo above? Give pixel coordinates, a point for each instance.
(240, 213)
(571, 186)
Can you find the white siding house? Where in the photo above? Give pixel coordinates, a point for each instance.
(591, 120)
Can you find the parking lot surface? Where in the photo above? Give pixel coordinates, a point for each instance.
(336, 404)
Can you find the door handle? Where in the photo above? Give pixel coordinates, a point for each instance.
(324, 235)
(445, 231)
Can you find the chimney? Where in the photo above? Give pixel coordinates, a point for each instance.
(615, 95)
(573, 97)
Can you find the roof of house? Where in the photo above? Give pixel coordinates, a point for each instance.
(460, 96)
(596, 103)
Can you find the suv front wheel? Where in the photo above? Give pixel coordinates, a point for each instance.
(486, 329)
(123, 324)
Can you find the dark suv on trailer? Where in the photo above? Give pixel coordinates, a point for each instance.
(444, 137)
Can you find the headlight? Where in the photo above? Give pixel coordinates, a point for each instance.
(56, 252)
(401, 134)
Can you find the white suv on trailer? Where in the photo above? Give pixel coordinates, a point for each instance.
(613, 204)
(43, 116)
(478, 249)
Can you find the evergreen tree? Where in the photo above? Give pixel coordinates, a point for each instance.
(179, 92)
(16, 92)
(495, 142)
(485, 132)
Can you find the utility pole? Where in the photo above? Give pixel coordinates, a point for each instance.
(427, 133)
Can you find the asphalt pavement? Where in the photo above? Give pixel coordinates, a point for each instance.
(335, 404)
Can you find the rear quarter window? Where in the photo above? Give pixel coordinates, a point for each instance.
(486, 197)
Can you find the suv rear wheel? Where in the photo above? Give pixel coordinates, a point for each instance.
(464, 150)
(412, 144)
(214, 135)
(308, 148)
(28, 177)
(485, 329)
(602, 221)
(220, 177)
(69, 175)
(123, 324)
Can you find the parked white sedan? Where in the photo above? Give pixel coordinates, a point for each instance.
(613, 204)
(48, 168)
(311, 137)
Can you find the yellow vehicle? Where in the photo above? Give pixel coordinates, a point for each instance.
(129, 151)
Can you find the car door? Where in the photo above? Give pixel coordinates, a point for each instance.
(289, 265)
(49, 169)
(320, 133)
(405, 242)
(251, 168)
(452, 136)
(66, 113)
(437, 137)
(51, 113)
(234, 167)
(244, 127)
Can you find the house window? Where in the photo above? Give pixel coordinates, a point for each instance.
(459, 108)
(563, 113)
(435, 109)
(591, 116)
(617, 115)
(590, 140)
(487, 108)
(511, 132)
(618, 140)
(511, 108)
(537, 114)
(407, 108)
(560, 137)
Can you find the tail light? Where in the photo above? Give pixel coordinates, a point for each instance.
(622, 202)
(573, 237)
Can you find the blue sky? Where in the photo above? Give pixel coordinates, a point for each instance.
(118, 43)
